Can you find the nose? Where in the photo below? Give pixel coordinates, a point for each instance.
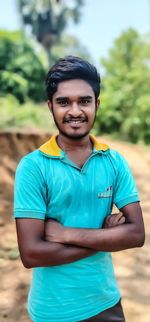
(75, 109)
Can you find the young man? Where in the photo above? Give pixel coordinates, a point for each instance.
(64, 192)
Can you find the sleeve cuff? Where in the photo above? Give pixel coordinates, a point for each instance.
(126, 201)
(29, 214)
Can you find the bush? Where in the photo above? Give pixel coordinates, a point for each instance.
(21, 71)
(28, 115)
(125, 94)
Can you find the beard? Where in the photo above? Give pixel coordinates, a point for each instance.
(73, 136)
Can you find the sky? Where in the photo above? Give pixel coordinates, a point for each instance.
(101, 22)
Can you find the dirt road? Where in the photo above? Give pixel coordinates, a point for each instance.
(131, 266)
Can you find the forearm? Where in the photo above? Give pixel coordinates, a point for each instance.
(44, 253)
(109, 240)
(36, 251)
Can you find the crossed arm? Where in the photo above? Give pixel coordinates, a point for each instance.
(50, 243)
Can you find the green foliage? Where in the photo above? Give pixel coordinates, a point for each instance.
(28, 115)
(125, 94)
(12, 82)
(137, 125)
(21, 71)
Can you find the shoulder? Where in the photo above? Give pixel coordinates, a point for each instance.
(32, 163)
(31, 158)
(117, 160)
(115, 155)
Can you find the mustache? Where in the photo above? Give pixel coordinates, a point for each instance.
(69, 119)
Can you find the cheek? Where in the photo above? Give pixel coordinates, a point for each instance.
(58, 115)
(91, 115)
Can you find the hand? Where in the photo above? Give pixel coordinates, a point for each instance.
(54, 231)
(114, 220)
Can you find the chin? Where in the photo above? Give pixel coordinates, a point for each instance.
(75, 136)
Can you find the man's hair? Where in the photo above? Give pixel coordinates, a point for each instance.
(71, 67)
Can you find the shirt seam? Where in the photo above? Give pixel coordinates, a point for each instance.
(29, 210)
(126, 198)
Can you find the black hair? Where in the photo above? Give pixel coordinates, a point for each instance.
(71, 67)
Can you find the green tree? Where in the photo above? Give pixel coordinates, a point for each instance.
(48, 19)
(125, 93)
(21, 71)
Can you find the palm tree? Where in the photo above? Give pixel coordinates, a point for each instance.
(47, 19)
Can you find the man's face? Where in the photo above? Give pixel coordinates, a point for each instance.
(73, 107)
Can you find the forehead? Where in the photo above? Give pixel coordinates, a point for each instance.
(74, 87)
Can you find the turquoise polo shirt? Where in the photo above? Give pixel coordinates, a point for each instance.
(49, 185)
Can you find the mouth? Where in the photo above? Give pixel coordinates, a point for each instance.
(75, 121)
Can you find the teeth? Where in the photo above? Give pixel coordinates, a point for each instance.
(73, 121)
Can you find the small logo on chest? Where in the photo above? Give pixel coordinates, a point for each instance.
(106, 194)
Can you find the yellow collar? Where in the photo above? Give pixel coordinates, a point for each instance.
(51, 147)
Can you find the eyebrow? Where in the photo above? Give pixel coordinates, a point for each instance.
(88, 97)
(63, 98)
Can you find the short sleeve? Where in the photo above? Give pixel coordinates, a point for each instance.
(29, 191)
(125, 191)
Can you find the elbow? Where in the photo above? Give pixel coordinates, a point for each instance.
(140, 238)
(28, 259)
(137, 235)
(27, 262)
(27, 265)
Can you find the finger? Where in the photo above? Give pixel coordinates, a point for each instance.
(118, 222)
(115, 218)
(122, 220)
(118, 215)
(107, 221)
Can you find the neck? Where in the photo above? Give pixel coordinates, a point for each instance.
(68, 144)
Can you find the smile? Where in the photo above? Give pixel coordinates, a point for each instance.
(75, 121)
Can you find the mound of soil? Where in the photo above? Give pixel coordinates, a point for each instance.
(131, 266)
(13, 146)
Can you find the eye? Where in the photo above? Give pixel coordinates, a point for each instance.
(84, 101)
(63, 102)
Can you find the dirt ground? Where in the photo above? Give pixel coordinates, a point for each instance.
(131, 266)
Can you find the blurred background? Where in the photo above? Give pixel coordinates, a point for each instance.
(115, 36)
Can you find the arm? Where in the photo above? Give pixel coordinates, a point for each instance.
(36, 252)
(30, 202)
(128, 235)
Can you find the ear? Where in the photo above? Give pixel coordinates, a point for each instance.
(97, 104)
(49, 103)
